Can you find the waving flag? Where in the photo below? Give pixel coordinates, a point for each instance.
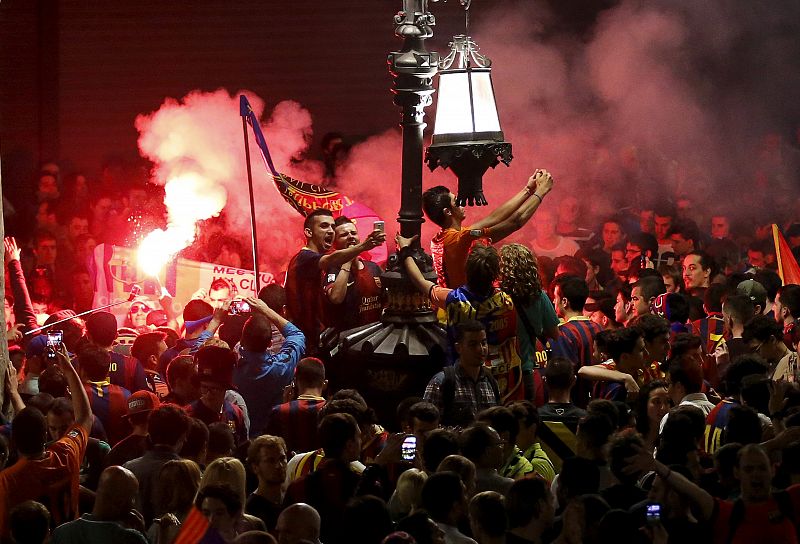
(306, 197)
(195, 529)
(787, 264)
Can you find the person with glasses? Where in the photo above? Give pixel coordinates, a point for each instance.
(764, 336)
(483, 445)
(215, 368)
(136, 318)
(641, 244)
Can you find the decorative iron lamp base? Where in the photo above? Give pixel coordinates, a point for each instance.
(469, 161)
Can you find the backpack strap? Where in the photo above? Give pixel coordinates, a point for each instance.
(786, 507)
(495, 387)
(448, 391)
(737, 516)
(526, 323)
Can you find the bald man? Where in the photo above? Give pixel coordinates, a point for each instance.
(254, 537)
(113, 518)
(298, 522)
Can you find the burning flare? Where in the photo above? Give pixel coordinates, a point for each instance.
(190, 198)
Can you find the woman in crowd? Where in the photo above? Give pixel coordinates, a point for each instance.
(652, 404)
(230, 472)
(536, 317)
(179, 481)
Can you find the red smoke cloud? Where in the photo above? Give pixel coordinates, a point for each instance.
(652, 103)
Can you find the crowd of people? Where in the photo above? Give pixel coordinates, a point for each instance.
(631, 383)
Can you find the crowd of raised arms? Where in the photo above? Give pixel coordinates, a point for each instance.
(634, 382)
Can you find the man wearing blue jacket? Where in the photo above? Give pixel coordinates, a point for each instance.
(260, 376)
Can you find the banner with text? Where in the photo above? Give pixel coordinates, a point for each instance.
(115, 272)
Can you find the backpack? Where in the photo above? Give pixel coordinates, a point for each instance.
(785, 507)
(533, 383)
(451, 415)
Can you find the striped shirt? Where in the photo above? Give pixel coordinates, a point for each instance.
(231, 415)
(156, 384)
(711, 331)
(616, 390)
(558, 438)
(305, 463)
(576, 343)
(716, 421)
(496, 312)
(609, 390)
(127, 372)
(110, 405)
(372, 447)
(296, 422)
(576, 340)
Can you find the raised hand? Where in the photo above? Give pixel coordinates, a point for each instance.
(403, 242)
(374, 239)
(12, 251)
(544, 182)
(14, 334)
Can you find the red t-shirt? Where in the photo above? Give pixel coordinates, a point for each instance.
(762, 522)
(362, 302)
(52, 480)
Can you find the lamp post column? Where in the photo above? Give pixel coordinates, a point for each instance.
(413, 68)
(394, 358)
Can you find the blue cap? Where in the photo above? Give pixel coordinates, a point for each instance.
(192, 326)
(37, 346)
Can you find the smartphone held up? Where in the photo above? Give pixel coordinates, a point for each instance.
(55, 339)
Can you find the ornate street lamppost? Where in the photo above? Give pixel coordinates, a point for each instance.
(394, 358)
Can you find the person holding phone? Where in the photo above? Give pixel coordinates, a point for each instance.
(305, 270)
(450, 247)
(260, 375)
(353, 292)
(51, 471)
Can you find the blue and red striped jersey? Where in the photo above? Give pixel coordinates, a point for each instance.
(296, 421)
(371, 449)
(711, 331)
(576, 340)
(576, 343)
(716, 421)
(110, 405)
(127, 372)
(231, 415)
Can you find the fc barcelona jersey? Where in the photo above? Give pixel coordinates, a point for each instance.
(109, 403)
(498, 315)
